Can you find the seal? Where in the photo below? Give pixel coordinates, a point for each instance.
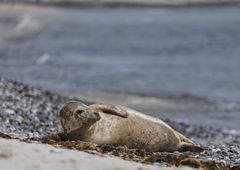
(119, 125)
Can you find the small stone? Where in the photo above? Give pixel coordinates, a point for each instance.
(8, 111)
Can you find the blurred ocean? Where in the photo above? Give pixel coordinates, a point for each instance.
(189, 57)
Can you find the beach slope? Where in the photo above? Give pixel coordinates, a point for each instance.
(20, 156)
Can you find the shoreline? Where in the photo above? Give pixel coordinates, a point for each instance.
(111, 4)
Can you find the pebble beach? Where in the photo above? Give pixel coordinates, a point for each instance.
(29, 113)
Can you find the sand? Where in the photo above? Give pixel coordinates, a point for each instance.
(21, 156)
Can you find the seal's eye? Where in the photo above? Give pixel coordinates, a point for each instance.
(79, 112)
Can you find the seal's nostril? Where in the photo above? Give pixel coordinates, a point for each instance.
(79, 112)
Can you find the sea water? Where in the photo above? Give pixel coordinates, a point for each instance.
(187, 55)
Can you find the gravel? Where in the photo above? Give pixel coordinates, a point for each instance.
(27, 111)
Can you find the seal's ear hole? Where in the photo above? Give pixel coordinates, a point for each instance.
(79, 112)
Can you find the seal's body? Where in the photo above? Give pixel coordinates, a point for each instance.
(118, 125)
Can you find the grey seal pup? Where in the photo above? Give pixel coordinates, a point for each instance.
(119, 125)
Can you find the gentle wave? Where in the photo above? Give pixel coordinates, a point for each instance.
(22, 22)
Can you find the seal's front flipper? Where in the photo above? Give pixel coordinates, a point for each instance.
(184, 146)
(110, 109)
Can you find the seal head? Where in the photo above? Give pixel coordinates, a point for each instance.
(75, 115)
